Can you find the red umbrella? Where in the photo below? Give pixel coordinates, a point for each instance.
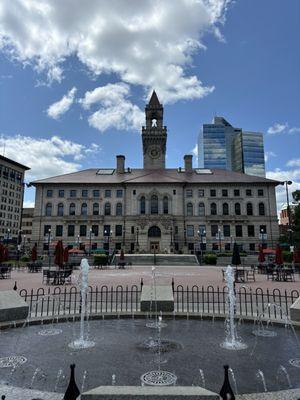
(59, 254)
(278, 255)
(66, 254)
(261, 256)
(34, 253)
(5, 254)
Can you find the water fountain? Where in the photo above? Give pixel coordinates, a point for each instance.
(82, 342)
(232, 341)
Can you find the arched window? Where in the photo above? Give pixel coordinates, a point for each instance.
(107, 209)
(154, 231)
(237, 209)
(154, 204)
(119, 209)
(189, 209)
(72, 209)
(48, 210)
(249, 209)
(143, 205)
(201, 209)
(96, 209)
(261, 209)
(60, 210)
(166, 205)
(225, 209)
(84, 209)
(213, 209)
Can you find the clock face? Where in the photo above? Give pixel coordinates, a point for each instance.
(154, 152)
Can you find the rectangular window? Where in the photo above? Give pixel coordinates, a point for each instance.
(107, 193)
(118, 246)
(213, 193)
(189, 193)
(174, 191)
(236, 192)
(71, 230)
(119, 230)
(190, 230)
(46, 229)
(72, 193)
(260, 192)
(61, 193)
(191, 246)
(95, 230)
(202, 230)
(84, 193)
(119, 193)
(226, 230)
(106, 230)
(252, 246)
(215, 246)
(176, 230)
(239, 231)
(82, 230)
(262, 228)
(227, 246)
(132, 230)
(251, 231)
(224, 192)
(59, 230)
(134, 192)
(248, 192)
(200, 192)
(214, 230)
(49, 193)
(96, 193)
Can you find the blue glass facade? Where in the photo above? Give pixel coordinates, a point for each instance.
(222, 146)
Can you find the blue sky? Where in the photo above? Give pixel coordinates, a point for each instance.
(73, 86)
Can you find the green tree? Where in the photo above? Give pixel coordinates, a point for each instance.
(296, 195)
(296, 218)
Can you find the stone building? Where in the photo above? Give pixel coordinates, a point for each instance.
(155, 208)
(11, 197)
(26, 225)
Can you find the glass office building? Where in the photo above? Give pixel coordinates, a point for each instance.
(223, 146)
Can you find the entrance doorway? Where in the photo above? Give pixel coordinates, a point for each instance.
(154, 247)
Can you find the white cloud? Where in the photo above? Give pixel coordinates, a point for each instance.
(46, 157)
(28, 204)
(63, 105)
(285, 175)
(114, 109)
(295, 162)
(277, 128)
(195, 151)
(269, 154)
(282, 128)
(148, 43)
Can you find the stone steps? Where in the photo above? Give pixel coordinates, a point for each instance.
(159, 259)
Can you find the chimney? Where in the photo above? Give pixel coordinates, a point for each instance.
(188, 163)
(120, 164)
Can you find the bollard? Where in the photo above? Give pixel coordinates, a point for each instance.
(15, 286)
(72, 391)
(226, 392)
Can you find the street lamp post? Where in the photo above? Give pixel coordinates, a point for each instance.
(262, 233)
(24, 244)
(8, 235)
(49, 238)
(137, 239)
(90, 239)
(219, 237)
(288, 209)
(201, 234)
(171, 242)
(78, 241)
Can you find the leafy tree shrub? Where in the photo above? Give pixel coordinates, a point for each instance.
(100, 259)
(210, 259)
(25, 259)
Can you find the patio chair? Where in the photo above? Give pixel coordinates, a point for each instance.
(250, 275)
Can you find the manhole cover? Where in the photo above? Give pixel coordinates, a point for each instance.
(164, 345)
(12, 361)
(50, 332)
(159, 378)
(295, 362)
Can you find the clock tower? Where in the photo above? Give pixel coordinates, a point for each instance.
(154, 135)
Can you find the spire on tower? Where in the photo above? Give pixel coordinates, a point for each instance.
(154, 102)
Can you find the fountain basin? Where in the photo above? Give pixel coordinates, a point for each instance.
(116, 351)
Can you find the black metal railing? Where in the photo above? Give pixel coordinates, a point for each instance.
(67, 301)
(272, 303)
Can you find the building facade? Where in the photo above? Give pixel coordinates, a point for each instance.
(11, 197)
(26, 225)
(155, 209)
(223, 146)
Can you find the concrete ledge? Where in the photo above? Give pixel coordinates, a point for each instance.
(159, 299)
(12, 306)
(295, 310)
(149, 393)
